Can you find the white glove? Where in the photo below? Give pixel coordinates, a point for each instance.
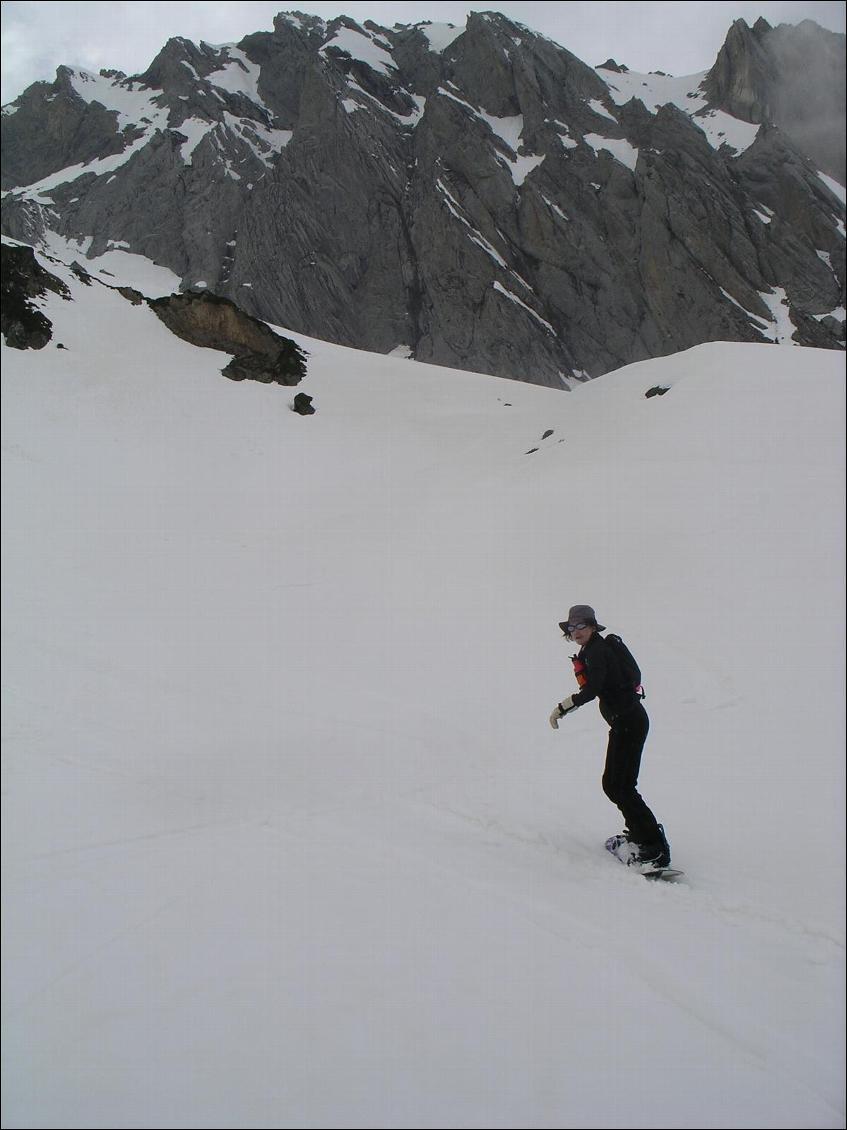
(562, 708)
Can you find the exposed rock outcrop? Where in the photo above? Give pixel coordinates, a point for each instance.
(22, 324)
(217, 323)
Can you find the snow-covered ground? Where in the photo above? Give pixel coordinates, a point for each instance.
(289, 841)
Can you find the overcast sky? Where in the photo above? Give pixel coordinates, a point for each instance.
(680, 38)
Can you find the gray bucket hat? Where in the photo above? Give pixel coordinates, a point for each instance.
(581, 614)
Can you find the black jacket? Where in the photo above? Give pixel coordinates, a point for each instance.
(605, 681)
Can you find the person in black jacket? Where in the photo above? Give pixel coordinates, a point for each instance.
(600, 674)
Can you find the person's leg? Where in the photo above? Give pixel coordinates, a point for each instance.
(620, 777)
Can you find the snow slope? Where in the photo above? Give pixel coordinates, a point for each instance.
(656, 90)
(288, 838)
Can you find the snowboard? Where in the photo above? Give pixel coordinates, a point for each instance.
(669, 874)
(618, 846)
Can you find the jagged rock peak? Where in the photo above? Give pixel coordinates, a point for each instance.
(763, 74)
(181, 62)
(611, 65)
(301, 21)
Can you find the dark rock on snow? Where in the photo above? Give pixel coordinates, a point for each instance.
(23, 279)
(302, 405)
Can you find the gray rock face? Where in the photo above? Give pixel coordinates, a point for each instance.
(52, 128)
(476, 196)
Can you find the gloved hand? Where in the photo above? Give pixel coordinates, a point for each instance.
(562, 708)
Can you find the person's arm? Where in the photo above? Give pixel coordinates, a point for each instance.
(596, 672)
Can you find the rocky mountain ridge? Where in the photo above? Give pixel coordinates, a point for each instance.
(472, 196)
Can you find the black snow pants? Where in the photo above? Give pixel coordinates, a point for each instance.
(627, 735)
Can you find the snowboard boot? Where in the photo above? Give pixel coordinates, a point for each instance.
(655, 855)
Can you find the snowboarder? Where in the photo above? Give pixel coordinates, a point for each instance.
(605, 670)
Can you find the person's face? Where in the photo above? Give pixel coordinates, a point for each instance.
(581, 634)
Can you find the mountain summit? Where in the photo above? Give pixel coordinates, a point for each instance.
(473, 196)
